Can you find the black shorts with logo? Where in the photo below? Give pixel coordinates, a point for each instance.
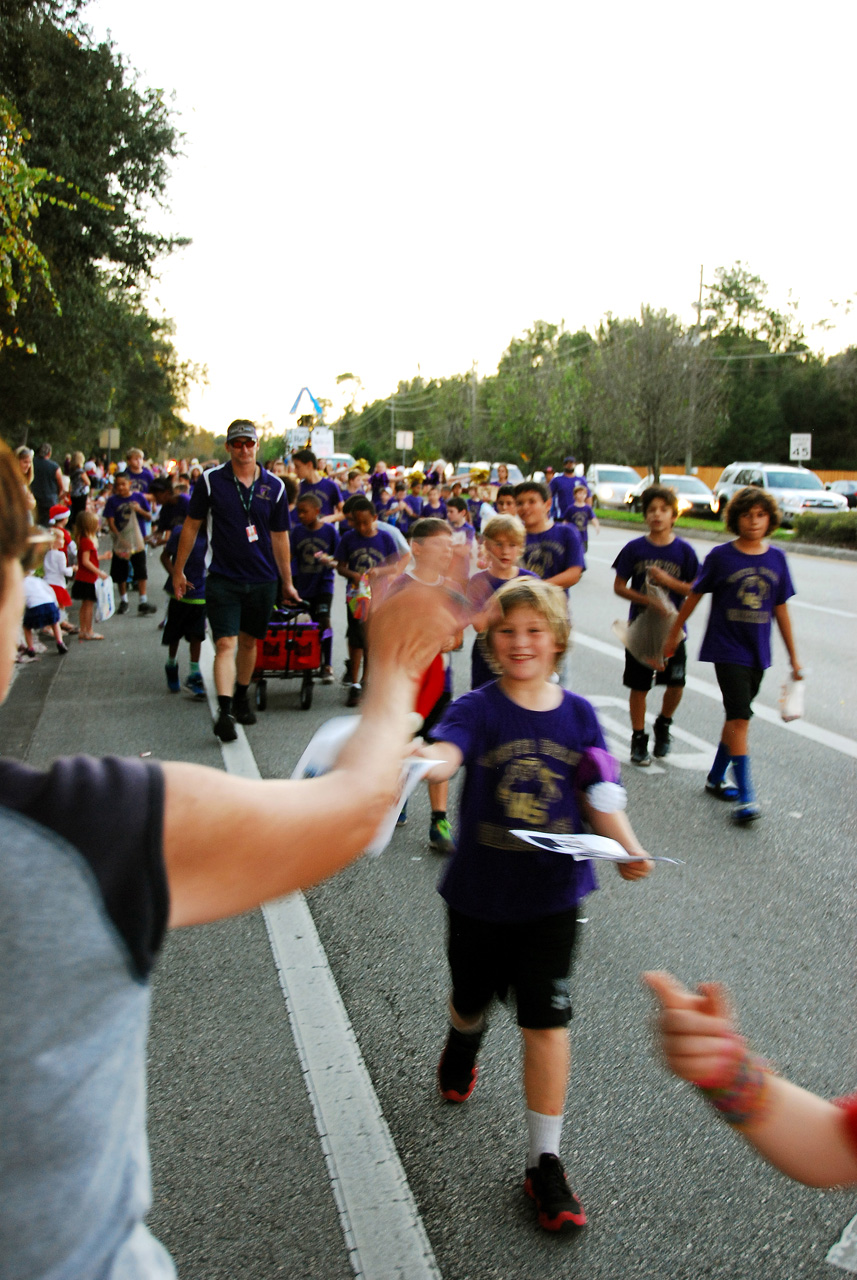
(487, 957)
(640, 677)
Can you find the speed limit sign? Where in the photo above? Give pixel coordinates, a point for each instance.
(800, 447)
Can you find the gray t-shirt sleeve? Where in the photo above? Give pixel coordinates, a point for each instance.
(112, 811)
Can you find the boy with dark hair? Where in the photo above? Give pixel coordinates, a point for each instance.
(536, 760)
(504, 503)
(553, 552)
(120, 509)
(185, 617)
(312, 481)
(750, 583)
(670, 562)
(313, 566)
(433, 504)
(363, 551)
(463, 537)
(401, 510)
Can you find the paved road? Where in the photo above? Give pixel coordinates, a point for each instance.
(241, 1183)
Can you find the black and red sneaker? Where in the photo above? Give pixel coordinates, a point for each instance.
(558, 1206)
(457, 1070)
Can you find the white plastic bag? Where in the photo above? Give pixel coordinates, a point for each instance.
(791, 700)
(105, 604)
(645, 637)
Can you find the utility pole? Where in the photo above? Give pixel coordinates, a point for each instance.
(473, 385)
(393, 420)
(691, 409)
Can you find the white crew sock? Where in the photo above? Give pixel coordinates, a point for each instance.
(544, 1134)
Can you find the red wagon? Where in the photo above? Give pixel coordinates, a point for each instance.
(291, 650)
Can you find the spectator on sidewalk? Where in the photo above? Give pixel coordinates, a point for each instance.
(47, 483)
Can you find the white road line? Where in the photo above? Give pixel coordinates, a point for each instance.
(820, 608)
(383, 1230)
(800, 728)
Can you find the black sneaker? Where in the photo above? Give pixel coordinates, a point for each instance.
(457, 1070)
(145, 607)
(558, 1206)
(346, 675)
(663, 741)
(242, 711)
(353, 696)
(122, 607)
(224, 727)
(640, 748)
(440, 837)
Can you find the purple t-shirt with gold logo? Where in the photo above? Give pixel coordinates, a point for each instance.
(745, 590)
(520, 774)
(553, 551)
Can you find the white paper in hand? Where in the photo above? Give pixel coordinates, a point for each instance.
(323, 751)
(587, 846)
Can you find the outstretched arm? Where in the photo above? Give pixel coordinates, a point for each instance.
(673, 640)
(784, 622)
(803, 1135)
(232, 843)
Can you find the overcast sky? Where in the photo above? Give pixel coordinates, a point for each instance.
(375, 187)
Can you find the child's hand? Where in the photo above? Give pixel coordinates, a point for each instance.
(659, 576)
(635, 870)
(697, 1030)
(672, 642)
(102, 575)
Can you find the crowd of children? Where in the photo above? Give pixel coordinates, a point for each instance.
(533, 752)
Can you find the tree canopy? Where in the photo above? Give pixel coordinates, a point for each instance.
(87, 149)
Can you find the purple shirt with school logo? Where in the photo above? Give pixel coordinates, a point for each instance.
(118, 510)
(553, 551)
(580, 517)
(520, 774)
(327, 492)
(218, 500)
(562, 488)
(678, 559)
(480, 589)
(439, 512)
(745, 590)
(310, 576)
(361, 554)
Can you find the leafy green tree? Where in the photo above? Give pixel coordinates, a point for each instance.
(88, 119)
(646, 375)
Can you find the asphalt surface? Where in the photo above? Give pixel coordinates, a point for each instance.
(240, 1182)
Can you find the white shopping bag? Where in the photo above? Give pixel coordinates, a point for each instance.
(105, 604)
(791, 700)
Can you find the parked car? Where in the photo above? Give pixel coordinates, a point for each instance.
(694, 497)
(848, 489)
(338, 459)
(796, 489)
(611, 483)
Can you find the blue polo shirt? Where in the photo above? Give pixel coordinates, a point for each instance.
(219, 499)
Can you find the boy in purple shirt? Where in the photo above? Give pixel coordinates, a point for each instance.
(312, 481)
(364, 551)
(503, 544)
(535, 759)
(749, 582)
(669, 562)
(314, 546)
(553, 552)
(185, 618)
(581, 514)
(433, 504)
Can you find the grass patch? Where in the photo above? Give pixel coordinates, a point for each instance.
(838, 530)
(710, 526)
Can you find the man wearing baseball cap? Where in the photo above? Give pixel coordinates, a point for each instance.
(562, 489)
(247, 512)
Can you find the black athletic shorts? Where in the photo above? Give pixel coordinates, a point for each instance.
(487, 957)
(739, 686)
(356, 632)
(184, 622)
(120, 568)
(319, 609)
(233, 607)
(640, 677)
